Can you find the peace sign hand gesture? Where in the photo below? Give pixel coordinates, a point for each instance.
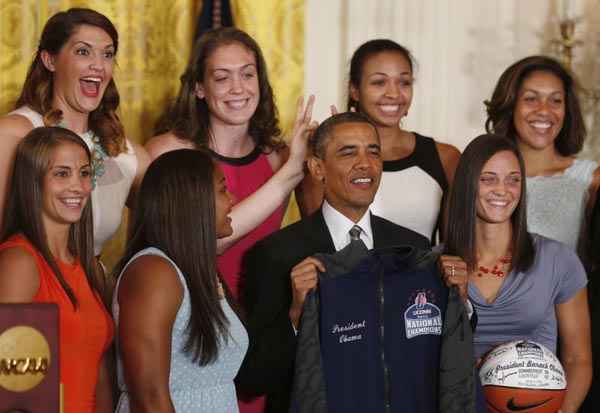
(303, 128)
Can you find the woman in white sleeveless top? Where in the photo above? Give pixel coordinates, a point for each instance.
(69, 83)
(417, 170)
(535, 103)
(180, 341)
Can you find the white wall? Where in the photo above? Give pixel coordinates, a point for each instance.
(461, 48)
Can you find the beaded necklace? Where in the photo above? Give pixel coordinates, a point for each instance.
(98, 157)
(497, 269)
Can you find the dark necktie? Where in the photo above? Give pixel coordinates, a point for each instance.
(356, 244)
(355, 233)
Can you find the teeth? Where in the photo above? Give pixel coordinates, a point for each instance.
(237, 104)
(541, 125)
(72, 201)
(498, 203)
(389, 108)
(92, 79)
(362, 181)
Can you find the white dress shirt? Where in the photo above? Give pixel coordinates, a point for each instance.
(339, 227)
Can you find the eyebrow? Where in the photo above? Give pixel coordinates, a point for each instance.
(87, 165)
(60, 167)
(494, 173)
(346, 148)
(526, 89)
(230, 70)
(385, 74)
(91, 46)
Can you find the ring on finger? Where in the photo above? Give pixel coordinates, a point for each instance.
(452, 271)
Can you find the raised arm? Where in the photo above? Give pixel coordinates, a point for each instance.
(310, 192)
(253, 210)
(12, 129)
(145, 336)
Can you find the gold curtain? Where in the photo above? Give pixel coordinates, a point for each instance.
(155, 39)
(278, 27)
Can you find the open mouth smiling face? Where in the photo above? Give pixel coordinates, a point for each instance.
(499, 188)
(539, 114)
(351, 168)
(82, 69)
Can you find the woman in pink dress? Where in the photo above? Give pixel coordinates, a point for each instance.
(226, 105)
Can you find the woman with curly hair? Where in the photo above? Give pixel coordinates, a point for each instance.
(70, 83)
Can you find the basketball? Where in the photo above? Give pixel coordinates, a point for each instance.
(522, 376)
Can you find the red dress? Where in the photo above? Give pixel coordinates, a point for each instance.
(244, 176)
(84, 333)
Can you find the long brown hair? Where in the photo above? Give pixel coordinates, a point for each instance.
(501, 107)
(176, 213)
(38, 89)
(188, 117)
(462, 212)
(23, 213)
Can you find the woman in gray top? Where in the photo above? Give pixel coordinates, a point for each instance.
(522, 285)
(535, 104)
(180, 342)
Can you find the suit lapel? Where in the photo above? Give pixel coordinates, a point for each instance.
(318, 233)
(380, 235)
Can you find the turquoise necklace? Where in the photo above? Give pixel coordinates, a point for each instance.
(98, 157)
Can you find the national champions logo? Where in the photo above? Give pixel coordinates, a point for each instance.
(423, 317)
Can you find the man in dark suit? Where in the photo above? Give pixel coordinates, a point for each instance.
(279, 271)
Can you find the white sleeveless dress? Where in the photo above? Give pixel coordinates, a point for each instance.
(112, 188)
(193, 388)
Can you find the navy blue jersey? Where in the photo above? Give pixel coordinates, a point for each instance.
(370, 337)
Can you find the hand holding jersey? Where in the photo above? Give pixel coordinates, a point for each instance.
(304, 278)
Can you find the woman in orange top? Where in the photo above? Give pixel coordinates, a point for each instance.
(47, 255)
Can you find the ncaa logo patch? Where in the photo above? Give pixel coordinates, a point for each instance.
(422, 318)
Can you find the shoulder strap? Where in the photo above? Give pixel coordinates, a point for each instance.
(153, 251)
(32, 116)
(428, 159)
